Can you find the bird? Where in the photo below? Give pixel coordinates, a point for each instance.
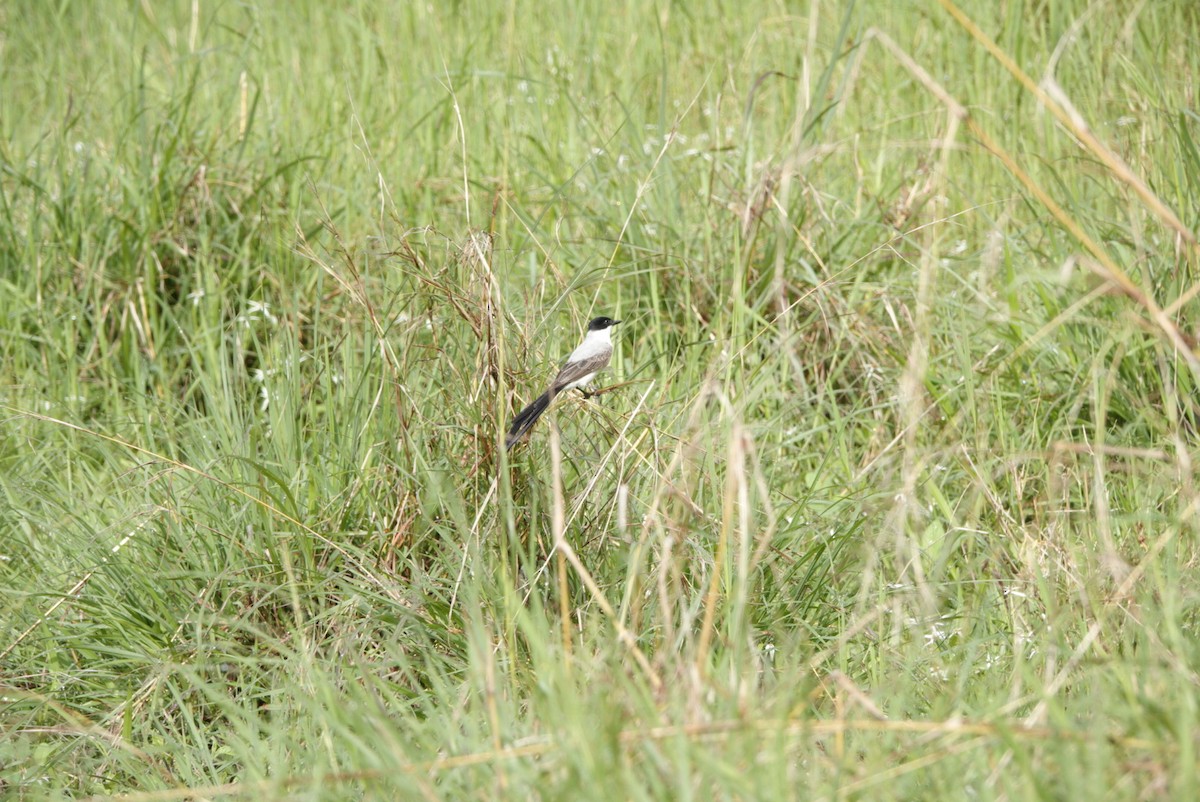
(582, 365)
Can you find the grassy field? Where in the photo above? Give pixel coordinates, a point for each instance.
(890, 495)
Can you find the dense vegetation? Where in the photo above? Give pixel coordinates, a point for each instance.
(890, 493)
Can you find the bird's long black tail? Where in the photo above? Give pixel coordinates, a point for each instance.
(526, 418)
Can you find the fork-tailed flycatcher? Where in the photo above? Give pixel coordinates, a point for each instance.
(586, 361)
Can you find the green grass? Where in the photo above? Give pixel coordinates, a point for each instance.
(891, 497)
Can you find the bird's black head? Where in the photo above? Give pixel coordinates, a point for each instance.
(601, 323)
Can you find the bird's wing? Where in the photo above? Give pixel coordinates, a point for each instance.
(574, 371)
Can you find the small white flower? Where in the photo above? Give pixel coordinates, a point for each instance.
(261, 308)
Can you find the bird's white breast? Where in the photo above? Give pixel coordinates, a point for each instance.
(594, 343)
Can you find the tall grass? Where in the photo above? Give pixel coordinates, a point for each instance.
(889, 494)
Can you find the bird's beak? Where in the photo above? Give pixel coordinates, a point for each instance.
(615, 322)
